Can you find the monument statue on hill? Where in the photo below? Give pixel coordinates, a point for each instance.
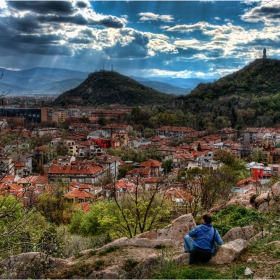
(264, 53)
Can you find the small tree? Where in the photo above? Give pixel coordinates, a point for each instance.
(141, 210)
(167, 165)
(52, 205)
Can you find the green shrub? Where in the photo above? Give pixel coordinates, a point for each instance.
(129, 264)
(92, 252)
(108, 250)
(97, 264)
(236, 216)
(169, 270)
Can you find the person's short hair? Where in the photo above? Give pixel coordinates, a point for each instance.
(207, 218)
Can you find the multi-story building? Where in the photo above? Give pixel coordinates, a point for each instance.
(82, 172)
(62, 115)
(29, 114)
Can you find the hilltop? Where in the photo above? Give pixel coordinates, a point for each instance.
(249, 96)
(108, 87)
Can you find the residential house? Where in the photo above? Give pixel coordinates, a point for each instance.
(154, 166)
(79, 195)
(138, 142)
(22, 163)
(44, 131)
(259, 172)
(274, 156)
(111, 162)
(65, 160)
(120, 128)
(6, 166)
(247, 135)
(82, 172)
(175, 131)
(167, 152)
(227, 133)
(179, 197)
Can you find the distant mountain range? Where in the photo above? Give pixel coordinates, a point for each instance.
(56, 81)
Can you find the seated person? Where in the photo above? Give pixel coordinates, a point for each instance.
(202, 247)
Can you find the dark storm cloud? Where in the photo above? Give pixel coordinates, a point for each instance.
(267, 11)
(109, 21)
(270, 12)
(77, 19)
(27, 24)
(45, 44)
(79, 41)
(36, 39)
(43, 7)
(136, 49)
(81, 4)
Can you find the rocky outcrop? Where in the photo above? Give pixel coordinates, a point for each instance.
(171, 235)
(30, 265)
(175, 231)
(261, 202)
(240, 233)
(112, 272)
(260, 235)
(144, 269)
(275, 191)
(228, 252)
(242, 200)
(39, 265)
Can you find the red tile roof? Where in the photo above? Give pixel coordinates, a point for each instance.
(77, 193)
(59, 169)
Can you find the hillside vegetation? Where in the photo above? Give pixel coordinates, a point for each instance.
(249, 96)
(108, 87)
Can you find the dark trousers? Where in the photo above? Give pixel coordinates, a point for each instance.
(199, 255)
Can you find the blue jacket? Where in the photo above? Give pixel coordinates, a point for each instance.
(204, 235)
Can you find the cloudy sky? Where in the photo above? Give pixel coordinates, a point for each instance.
(188, 39)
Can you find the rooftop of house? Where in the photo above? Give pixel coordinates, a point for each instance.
(86, 169)
(176, 128)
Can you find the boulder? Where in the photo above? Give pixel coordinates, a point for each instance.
(30, 265)
(242, 200)
(275, 191)
(175, 231)
(228, 252)
(145, 269)
(261, 202)
(182, 259)
(145, 242)
(260, 235)
(111, 272)
(245, 233)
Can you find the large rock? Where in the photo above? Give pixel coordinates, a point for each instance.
(111, 272)
(275, 191)
(175, 231)
(182, 259)
(144, 270)
(30, 265)
(260, 235)
(240, 233)
(242, 200)
(261, 202)
(228, 252)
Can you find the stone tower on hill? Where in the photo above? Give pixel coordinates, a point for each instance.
(264, 53)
